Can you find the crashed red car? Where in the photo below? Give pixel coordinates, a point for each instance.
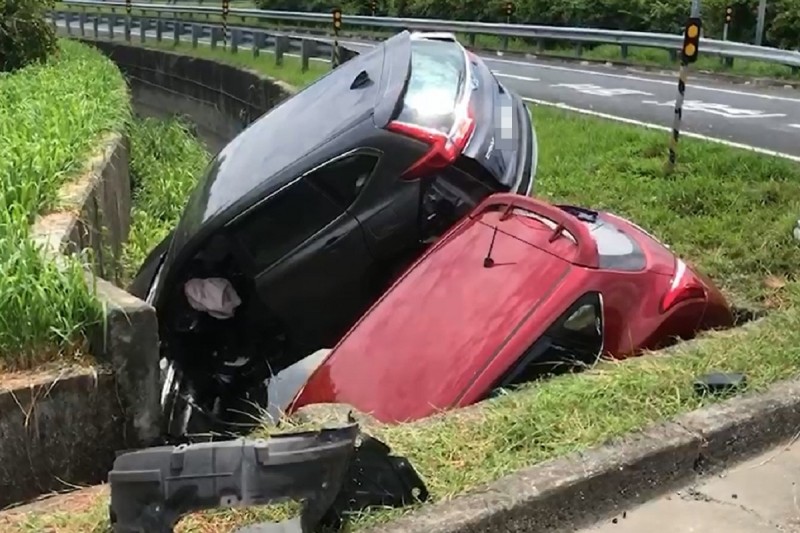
(511, 293)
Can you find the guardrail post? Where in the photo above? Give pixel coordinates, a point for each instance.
(505, 42)
(195, 34)
(144, 27)
(623, 51)
(112, 21)
(471, 38)
(96, 26)
(159, 30)
(307, 50)
(579, 49)
(82, 23)
(281, 46)
(68, 22)
(215, 35)
(673, 55)
(259, 42)
(177, 26)
(128, 29)
(236, 38)
(795, 70)
(539, 46)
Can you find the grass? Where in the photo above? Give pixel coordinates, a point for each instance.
(730, 212)
(636, 55)
(289, 72)
(166, 160)
(51, 117)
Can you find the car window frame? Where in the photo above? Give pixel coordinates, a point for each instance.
(248, 263)
(372, 152)
(542, 343)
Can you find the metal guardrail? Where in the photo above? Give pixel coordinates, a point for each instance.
(145, 29)
(624, 39)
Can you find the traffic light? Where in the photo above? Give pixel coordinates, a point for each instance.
(509, 8)
(728, 14)
(225, 7)
(374, 7)
(691, 40)
(337, 18)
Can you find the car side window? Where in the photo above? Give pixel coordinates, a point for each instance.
(343, 179)
(575, 338)
(283, 222)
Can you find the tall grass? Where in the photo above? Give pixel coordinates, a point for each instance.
(166, 160)
(50, 117)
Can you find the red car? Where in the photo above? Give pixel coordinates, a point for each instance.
(512, 291)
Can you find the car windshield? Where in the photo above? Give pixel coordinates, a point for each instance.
(438, 70)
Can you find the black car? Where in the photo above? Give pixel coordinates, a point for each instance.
(309, 212)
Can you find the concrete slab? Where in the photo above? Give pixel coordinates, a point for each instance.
(759, 495)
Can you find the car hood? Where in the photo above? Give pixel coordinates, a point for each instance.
(442, 323)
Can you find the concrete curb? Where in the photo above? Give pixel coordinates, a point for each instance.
(576, 490)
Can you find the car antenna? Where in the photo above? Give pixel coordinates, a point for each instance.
(488, 262)
(506, 211)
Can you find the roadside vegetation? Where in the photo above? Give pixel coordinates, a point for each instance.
(728, 211)
(166, 161)
(289, 72)
(52, 114)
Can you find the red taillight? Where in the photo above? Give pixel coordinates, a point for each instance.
(444, 148)
(684, 286)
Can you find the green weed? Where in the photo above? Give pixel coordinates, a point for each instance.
(166, 161)
(51, 117)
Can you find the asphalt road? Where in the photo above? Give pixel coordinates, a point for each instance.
(758, 496)
(767, 118)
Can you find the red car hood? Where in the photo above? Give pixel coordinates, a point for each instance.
(430, 336)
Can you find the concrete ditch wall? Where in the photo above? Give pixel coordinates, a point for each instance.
(220, 100)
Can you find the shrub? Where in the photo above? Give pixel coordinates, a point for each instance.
(25, 35)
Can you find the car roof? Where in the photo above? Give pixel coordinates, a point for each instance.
(432, 333)
(286, 141)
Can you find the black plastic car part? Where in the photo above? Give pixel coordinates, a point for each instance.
(375, 479)
(335, 472)
(152, 489)
(719, 383)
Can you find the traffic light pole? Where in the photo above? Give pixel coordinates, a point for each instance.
(337, 24)
(691, 42)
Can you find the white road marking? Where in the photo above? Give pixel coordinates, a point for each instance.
(722, 110)
(794, 126)
(659, 127)
(638, 78)
(596, 90)
(514, 76)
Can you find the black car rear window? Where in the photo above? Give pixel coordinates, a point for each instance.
(438, 70)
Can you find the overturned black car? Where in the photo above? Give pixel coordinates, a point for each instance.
(301, 222)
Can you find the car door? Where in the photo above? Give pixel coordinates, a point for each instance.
(308, 253)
